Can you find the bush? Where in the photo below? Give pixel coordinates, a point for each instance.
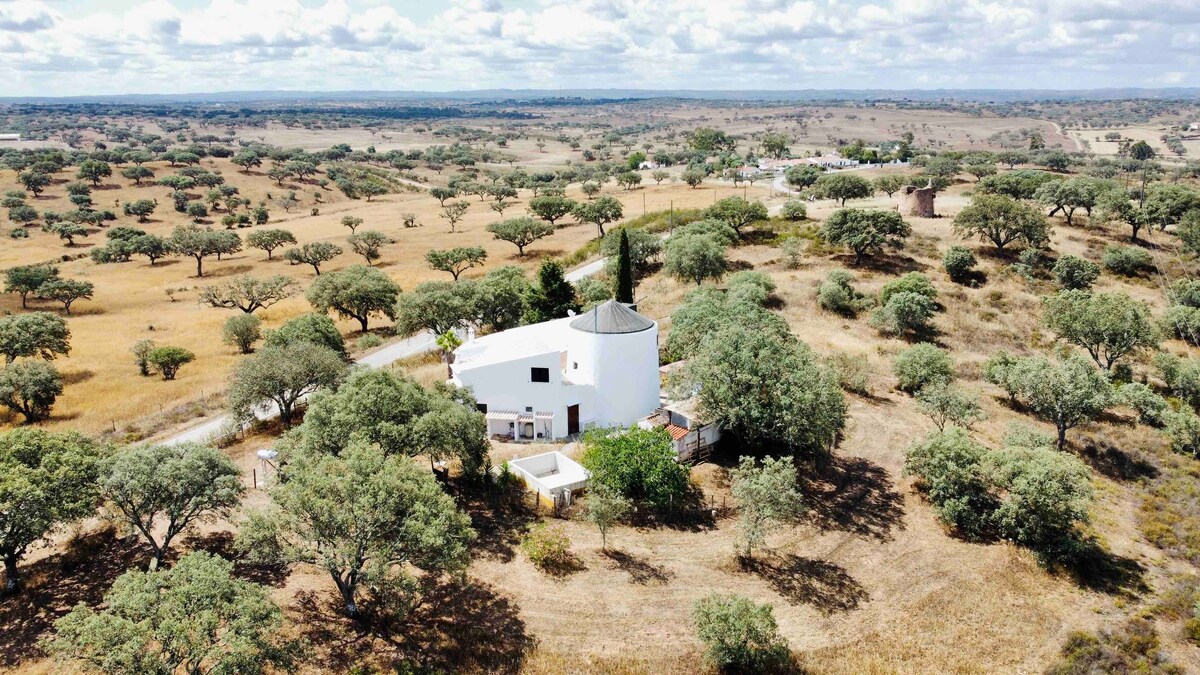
(1131, 648)
(904, 314)
(1182, 376)
(750, 286)
(1073, 272)
(318, 329)
(1127, 260)
(1150, 406)
(960, 263)
(913, 282)
(794, 209)
(792, 248)
(853, 372)
(836, 295)
(1183, 431)
(1045, 495)
(739, 635)
(1183, 322)
(921, 365)
(947, 466)
(638, 464)
(548, 548)
(168, 360)
(368, 341)
(242, 331)
(946, 404)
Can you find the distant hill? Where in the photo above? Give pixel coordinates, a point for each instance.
(517, 95)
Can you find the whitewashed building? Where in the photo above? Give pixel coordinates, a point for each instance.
(557, 378)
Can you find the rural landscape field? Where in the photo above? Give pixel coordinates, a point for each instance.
(805, 371)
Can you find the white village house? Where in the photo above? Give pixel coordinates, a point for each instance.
(554, 379)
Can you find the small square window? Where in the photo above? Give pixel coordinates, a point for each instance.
(539, 374)
(574, 365)
(528, 408)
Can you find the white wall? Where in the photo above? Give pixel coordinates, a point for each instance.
(507, 386)
(626, 376)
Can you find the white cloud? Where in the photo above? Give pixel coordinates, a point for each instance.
(185, 46)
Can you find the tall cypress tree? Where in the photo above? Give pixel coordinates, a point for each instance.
(624, 271)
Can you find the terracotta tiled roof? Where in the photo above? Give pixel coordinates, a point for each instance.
(676, 432)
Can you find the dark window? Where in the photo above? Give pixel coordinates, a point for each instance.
(481, 407)
(539, 374)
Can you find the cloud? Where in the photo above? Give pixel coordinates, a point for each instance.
(192, 45)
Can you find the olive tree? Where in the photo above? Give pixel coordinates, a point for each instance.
(739, 635)
(196, 617)
(1110, 326)
(66, 291)
(282, 375)
(1066, 392)
(551, 208)
(162, 490)
(865, 231)
(269, 240)
(767, 496)
(456, 260)
(842, 186)
(30, 388)
(46, 481)
(695, 257)
(168, 360)
(356, 292)
(1002, 220)
(36, 335)
(242, 331)
(600, 212)
(363, 516)
(314, 253)
(248, 293)
(520, 232)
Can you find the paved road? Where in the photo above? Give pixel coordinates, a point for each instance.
(401, 349)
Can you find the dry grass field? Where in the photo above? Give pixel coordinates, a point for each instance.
(868, 582)
(104, 391)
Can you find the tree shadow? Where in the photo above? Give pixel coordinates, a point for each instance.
(77, 376)
(456, 625)
(224, 270)
(82, 573)
(1095, 568)
(820, 583)
(690, 514)
(221, 544)
(499, 520)
(1117, 463)
(854, 495)
(640, 570)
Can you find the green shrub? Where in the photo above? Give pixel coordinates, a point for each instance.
(945, 404)
(242, 331)
(1185, 291)
(548, 548)
(1127, 260)
(638, 464)
(1182, 429)
(960, 263)
(1046, 494)
(913, 282)
(1073, 272)
(948, 469)
(794, 209)
(318, 329)
(1183, 322)
(792, 248)
(368, 341)
(1182, 376)
(921, 365)
(739, 635)
(750, 286)
(905, 314)
(1150, 406)
(837, 295)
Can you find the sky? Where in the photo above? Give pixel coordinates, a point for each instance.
(88, 47)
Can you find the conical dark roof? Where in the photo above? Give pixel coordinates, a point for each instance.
(611, 317)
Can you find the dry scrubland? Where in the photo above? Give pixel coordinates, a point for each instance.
(131, 303)
(870, 582)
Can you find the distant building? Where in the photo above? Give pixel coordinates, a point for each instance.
(557, 378)
(10, 137)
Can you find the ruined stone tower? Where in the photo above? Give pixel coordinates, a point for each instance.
(918, 201)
